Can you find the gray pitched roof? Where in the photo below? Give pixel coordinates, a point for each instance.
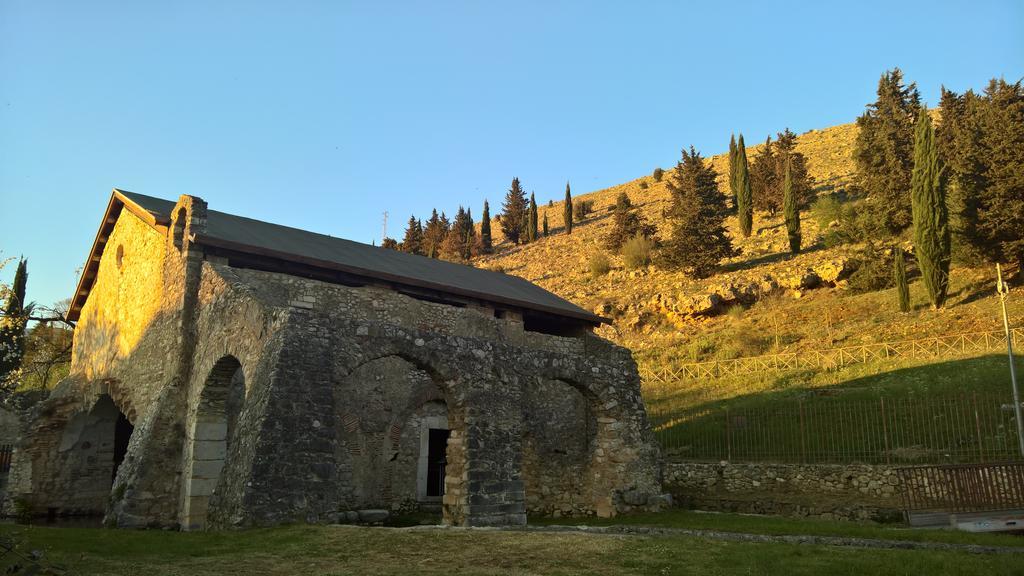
(273, 240)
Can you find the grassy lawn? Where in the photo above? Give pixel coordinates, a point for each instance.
(352, 550)
(776, 525)
(945, 411)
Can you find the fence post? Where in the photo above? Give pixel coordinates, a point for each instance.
(728, 439)
(885, 429)
(803, 444)
(977, 426)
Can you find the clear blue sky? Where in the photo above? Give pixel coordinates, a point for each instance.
(322, 115)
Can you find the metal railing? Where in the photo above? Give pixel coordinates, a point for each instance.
(956, 345)
(963, 488)
(968, 428)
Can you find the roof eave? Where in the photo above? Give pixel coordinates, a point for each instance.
(592, 319)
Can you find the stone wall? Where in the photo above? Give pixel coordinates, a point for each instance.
(852, 491)
(330, 391)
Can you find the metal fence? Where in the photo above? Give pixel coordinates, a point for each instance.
(963, 487)
(970, 428)
(833, 358)
(6, 450)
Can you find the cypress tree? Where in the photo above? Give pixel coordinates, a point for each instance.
(900, 276)
(884, 152)
(697, 215)
(13, 324)
(514, 213)
(930, 215)
(545, 224)
(744, 199)
(412, 242)
(485, 230)
(791, 209)
(532, 220)
(567, 210)
(732, 171)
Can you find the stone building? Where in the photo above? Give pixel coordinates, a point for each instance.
(232, 372)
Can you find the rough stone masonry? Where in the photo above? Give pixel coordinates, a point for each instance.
(229, 372)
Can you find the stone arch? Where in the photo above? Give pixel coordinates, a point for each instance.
(209, 435)
(560, 446)
(385, 404)
(93, 445)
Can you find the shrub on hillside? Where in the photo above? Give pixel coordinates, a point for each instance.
(872, 272)
(599, 264)
(581, 209)
(658, 174)
(643, 185)
(636, 252)
(826, 210)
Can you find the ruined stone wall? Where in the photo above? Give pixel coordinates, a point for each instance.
(389, 354)
(559, 444)
(830, 491)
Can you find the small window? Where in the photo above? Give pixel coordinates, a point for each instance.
(120, 256)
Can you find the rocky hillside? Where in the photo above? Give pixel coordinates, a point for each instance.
(763, 301)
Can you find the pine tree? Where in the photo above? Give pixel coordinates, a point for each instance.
(744, 199)
(458, 244)
(13, 324)
(412, 242)
(389, 243)
(434, 234)
(627, 223)
(785, 152)
(514, 213)
(791, 209)
(567, 210)
(765, 181)
(485, 230)
(531, 223)
(697, 215)
(885, 148)
(545, 224)
(732, 172)
(900, 278)
(930, 216)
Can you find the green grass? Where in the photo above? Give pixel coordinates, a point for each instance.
(776, 525)
(349, 550)
(940, 412)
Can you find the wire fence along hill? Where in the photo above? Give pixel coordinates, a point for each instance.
(833, 358)
(970, 428)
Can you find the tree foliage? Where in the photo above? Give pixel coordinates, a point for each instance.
(697, 217)
(931, 219)
(567, 210)
(514, 213)
(744, 197)
(981, 138)
(13, 323)
(884, 150)
(412, 242)
(531, 220)
(434, 234)
(627, 223)
(791, 208)
(486, 245)
(460, 242)
(899, 274)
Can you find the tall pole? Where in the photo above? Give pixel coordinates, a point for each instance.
(1004, 291)
(384, 231)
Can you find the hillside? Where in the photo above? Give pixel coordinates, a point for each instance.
(763, 301)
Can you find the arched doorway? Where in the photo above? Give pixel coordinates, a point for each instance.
(94, 444)
(209, 438)
(559, 437)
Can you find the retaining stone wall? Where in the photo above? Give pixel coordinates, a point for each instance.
(829, 491)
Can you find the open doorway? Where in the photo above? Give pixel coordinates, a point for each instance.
(437, 446)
